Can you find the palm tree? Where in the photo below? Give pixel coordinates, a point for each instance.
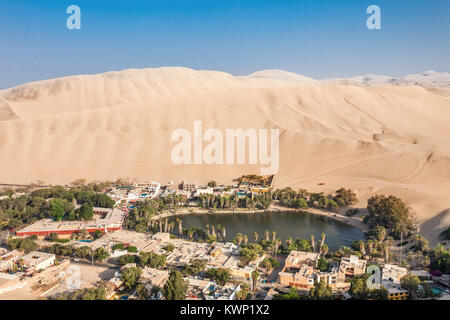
(255, 276)
(180, 226)
(266, 235)
(289, 241)
(322, 240)
(277, 245)
(213, 232)
(410, 257)
(362, 247)
(387, 247)
(219, 229)
(324, 249)
(370, 245)
(238, 238)
(313, 243)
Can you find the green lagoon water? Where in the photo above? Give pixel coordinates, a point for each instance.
(286, 224)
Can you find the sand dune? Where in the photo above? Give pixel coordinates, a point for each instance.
(392, 139)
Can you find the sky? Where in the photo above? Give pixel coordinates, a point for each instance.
(315, 38)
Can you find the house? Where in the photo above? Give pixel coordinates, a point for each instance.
(351, 267)
(8, 259)
(189, 186)
(38, 260)
(213, 291)
(302, 278)
(153, 277)
(298, 271)
(255, 191)
(392, 274)
(203, 191)
(397, 294)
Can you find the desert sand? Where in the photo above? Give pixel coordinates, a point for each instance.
(375, 139)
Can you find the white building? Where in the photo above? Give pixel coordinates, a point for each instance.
(392, 274)
(38, 260)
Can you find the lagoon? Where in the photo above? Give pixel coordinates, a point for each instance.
(286, 224)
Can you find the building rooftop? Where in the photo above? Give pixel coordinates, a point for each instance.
(36, 257)
(111, 218)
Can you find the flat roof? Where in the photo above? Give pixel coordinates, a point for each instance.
(113, 219)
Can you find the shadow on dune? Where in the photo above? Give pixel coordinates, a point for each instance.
(434, 227)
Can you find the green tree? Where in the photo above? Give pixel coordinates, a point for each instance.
(410, 283)
(130, 276)
(221, 276)
(320, 291)
(244, 293)
(100, 254)
(141, 291)
(358, 288)
(83, 252)
(389, 212)
(57, 209)
(212, 184)
(194, 267)
(176, 287)
(86, 212)
(379, 294)
(323, 264)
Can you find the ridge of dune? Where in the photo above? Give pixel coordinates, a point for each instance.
(375, 139)
(437, 82)
(283, 76)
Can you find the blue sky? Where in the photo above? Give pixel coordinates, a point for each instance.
(316, 38)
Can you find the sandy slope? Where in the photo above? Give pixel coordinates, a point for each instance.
(383, 139)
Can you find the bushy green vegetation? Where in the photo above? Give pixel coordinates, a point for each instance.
(292, 295)
(323, 264)
(194, 267)
(139, 218)
(270, 263)
(176, 287)
(130, 276)
(321, 291)
(244, 293)
(410, 283)
(85, 252)
(440, 259)
(298, 245)
(83, 294)
(144, 259)
(221, 276)
(211, 201)
(250, 252)
(302, 199)
(360, 291)
(391, 213)
(22, 244)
